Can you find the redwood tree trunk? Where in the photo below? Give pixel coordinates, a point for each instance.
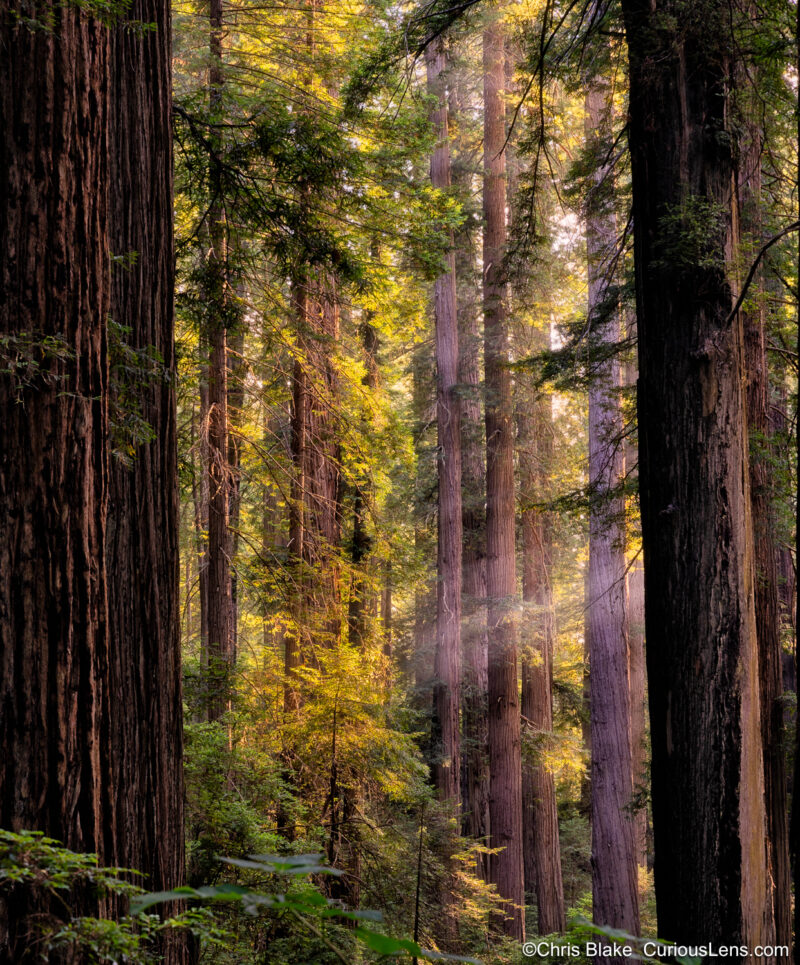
(505, 788)
(767, 603)
(220, 589)
(542, 851)
(448, 600)
(142, 535)
(634, 601)
(474, 647)
(708, 782)
(55, 773)
(615, 894)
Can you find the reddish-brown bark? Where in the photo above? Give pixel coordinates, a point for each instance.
(55, 769)
(702, 655)
(542, 851)
(615, 893)
(142, 534)
(447, 674)
(505, 787)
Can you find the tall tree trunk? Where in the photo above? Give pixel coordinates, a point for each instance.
(237, 371)
(358, 614)
(220, 591)
(767, 604)
(474, 643)
(448, 598)
(634, 601)
(424, 402)
(542, 850)
(615, 894)
(708, 780)
(293, 638)
(505, 788)
(142, 535)
(55, 770)
(794, 826)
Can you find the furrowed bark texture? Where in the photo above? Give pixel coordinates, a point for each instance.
(54, 278)
(708, 781)
(142, 535)
(615, 894)
(505, 788)
(447, 664)
(542, 851)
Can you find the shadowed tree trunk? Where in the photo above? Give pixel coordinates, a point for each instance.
(55, 770)
(634, 601)
(360, 592)
(542, 851)
(505, 788)
(767, 604)
(702, 657)
(219, 586)
(142, 533)
(615, 893)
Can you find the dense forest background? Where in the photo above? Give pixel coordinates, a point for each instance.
(398, 479)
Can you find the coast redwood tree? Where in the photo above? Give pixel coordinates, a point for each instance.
(448, 597)
(54, 275)
(142, 531)
(707, 773)
(505, 750)
(615, 893)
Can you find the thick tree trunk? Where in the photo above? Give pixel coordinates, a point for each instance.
(448, 600)
(542, 851)
(505, 789)
(55, 771)
(711, 871)
(142, 535)
(615, 894)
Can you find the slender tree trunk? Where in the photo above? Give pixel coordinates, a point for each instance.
(615, 894)
(711, 871)
(235, 388)
(386, 608)
(542, 851)
(201, 516)
(634, 599)
(766, 552)
(794, 827)
(142, 534)
(55, 766)
(474, 644)
(220, 591)
(505, 789)
(448, 600)
(358, 614)
(293, 639)
(425, 591)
